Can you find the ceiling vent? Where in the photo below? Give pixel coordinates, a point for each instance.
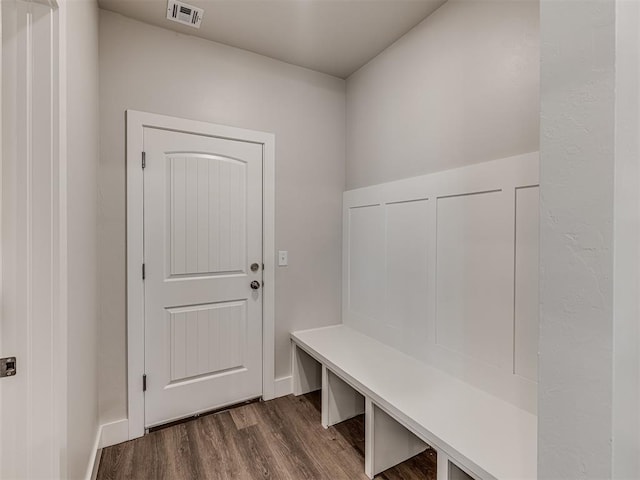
(185, 14)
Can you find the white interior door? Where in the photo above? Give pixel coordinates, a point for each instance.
(203, 273)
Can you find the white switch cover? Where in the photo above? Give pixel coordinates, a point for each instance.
(283, 258)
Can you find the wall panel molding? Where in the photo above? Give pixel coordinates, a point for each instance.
(444, 268)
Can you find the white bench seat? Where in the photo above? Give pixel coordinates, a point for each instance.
(481, 434)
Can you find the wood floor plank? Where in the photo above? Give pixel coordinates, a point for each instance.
(115, 462)
(281, 439)
(286, 443)
(191, 464)
(218, 447)
(264, 464)
(327, 446)
(147, 461)
(244, 416)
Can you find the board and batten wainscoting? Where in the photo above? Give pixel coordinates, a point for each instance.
(444, 267)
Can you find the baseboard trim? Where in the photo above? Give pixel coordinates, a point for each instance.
(283, 386)
(114, 433)
(94, 459)
(96, 464)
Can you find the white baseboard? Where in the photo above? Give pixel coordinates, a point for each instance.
(94, 459)
(96, 464)
(114, 433)
(283, 386)
(108, 434)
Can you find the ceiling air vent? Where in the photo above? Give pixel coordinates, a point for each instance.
(183, 13)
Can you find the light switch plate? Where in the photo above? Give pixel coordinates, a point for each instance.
(283, 258)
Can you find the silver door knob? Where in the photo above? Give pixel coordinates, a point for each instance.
(255, 285)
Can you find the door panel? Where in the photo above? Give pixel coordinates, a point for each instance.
(207, 214)
(207, 339)
(202, 230)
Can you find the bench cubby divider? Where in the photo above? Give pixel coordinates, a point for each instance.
(387, 443)
(340, 401)
(307, 372)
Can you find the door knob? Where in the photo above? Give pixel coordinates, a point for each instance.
(255, 285)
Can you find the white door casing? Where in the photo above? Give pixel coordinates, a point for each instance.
(197, 291)
(202, 231)
(33, 319)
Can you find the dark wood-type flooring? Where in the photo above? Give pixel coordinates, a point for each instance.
(278, 439)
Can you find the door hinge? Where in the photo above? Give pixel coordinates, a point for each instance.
(144, 272)
(8, 367)
(144, 382)
(144, 159)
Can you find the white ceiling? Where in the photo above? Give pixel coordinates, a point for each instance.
(332, 36)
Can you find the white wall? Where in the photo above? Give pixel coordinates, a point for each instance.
(626, 328)
(576, 239)
(588, 360)
(82, 139)
(460, 88)
(151, 69)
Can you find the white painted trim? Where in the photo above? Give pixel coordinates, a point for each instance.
(62, 339)
(107, 434)
(1, 209)
(135, 287)
(96, 465)
(35, 433)
(506, 176)
(114, 433)
(135, 121)
(283, 386)
(94, 458)
(269, 260)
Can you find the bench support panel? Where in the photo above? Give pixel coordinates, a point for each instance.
(340, 401)
(447, 470)
(444, 466)
(306, 371)
(387, 443)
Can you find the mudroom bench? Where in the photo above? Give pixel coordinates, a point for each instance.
(409, 405)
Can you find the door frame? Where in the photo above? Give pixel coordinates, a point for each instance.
(39, 449)
(136, 121)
